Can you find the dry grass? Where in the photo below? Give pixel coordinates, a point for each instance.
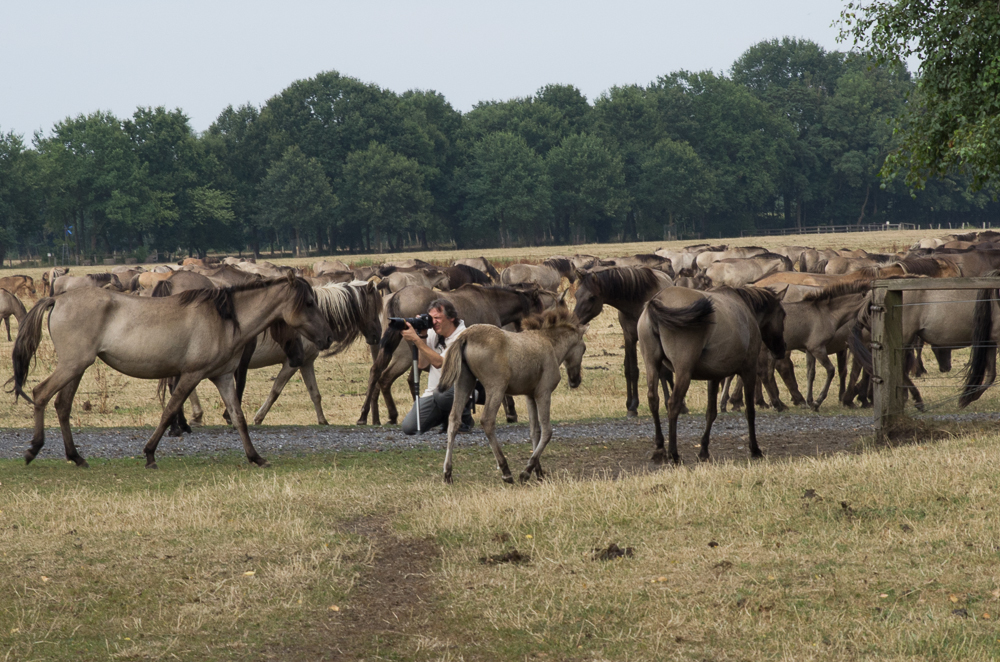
(883, 555)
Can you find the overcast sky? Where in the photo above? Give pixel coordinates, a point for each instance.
(60, 58)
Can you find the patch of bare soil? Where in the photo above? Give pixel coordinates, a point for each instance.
(390, 609)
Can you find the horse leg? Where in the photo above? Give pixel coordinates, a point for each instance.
(542, 428)
(653, 401)
(918, 364)
(786, 370)
(489, 423)
(943, 358)
(908, 384)
(682, 380)
(399, 365)
(508, 407)
(765, 373)
(197, 413)
(178, 424)
(824, 359)
(810, 378)
(710, 414)
(185, 384)
(852, 384)
(240, 376)
(280, 381)
(64, 403)
(227, 389)
(464, 385)
(725, 393)
(842, 373)
(631, 372)
(748, 380)
(309, 378)
(41, 395)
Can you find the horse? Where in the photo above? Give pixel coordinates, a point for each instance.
(197, 335)
(707, 336)
(737, 272)
(351, 309)
(462, 274)
(546, 277)
(104, 280)
(982, 369)
(19, 285)
(480, 264)
(327, 266)
(476, 304)
(716, 253)
(49, 277)
(650, 260)
(627, 289)
(506, 363)
(11, 305)
(938, 317)
(429, 278)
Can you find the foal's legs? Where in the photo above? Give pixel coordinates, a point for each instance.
(41, 394)
(489, 423)
(463, 389)
(631, 369)
(64, 403)
(227, 389)
(280, 381)
(821, 356)
(309, 379)
(538, 409)
(682, 380)
(197, 413)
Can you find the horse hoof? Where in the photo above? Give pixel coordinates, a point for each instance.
(919, 405)
(508, 479)
(151, 465)
(447, 478)
(781, 406)
(323, 422)
(28, 457)
(82, 463)
(197, 421)
(512, 419)
(756, 455)
(632, 413)
(175, 433)
(186, 429)
(704, 458)
(658, 456)
(362, 421)
(525, 477)
(260, 463)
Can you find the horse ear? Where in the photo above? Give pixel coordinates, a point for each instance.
(562, 297)
(584, 329)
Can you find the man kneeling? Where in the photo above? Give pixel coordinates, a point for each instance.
(434, 406)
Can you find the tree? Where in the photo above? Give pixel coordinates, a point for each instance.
(952, 118)
(18, 190)
(295, 196)
(675, 188)
(383, 191)
(507, 190)
(588, 187)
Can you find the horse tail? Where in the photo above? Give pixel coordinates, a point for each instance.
(983, 348)
(454, 360)
(819, 267)
(29, 335)
(693, 316)
(862, 350)
(133, 283)
(163, 289)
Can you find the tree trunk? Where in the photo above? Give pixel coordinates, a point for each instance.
(798, 214)
(298, 242)
(864, 204)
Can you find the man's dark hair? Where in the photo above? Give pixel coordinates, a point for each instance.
(445, 306)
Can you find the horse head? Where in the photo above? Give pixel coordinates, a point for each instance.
(574, 359)
(589, 301)
(303, 314)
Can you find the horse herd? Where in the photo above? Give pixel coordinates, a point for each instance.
(725, 315)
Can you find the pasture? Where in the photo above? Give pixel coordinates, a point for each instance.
(875, 553)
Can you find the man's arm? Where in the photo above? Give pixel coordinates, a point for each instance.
(426, 356)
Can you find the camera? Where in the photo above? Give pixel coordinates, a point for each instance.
(419, 323)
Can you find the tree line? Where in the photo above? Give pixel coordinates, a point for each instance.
(792, 136)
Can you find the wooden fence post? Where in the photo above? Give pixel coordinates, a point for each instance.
(887, 359)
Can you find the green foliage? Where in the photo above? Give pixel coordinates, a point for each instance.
(383, 192)
(952, 121)
(588, 187)
(18, 189)
(295, 195)
(507, 190)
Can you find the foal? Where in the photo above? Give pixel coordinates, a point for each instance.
(507, 363)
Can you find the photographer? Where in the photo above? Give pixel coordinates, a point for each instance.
(435, 407)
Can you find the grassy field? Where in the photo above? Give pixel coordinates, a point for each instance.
(116, 400)
(889, 554)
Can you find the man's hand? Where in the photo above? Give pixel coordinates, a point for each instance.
(410, 334)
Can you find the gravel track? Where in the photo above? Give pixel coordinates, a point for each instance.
(128, 442)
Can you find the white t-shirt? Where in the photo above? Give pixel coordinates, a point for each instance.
(434, 374)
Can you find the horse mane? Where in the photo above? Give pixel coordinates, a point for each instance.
(839, 290)
(624, 282)
(346, 308)
(491, 271)
(103, 278)
(560, 264)
(222, 299)
(881, 258)
(557, 318)
(761, 300)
